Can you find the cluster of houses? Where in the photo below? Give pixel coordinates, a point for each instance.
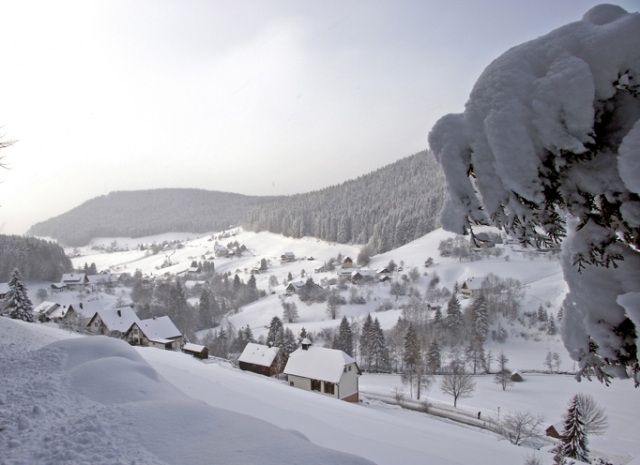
(329, 372)
(82, 281)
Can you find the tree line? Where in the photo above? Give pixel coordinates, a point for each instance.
(37, 259)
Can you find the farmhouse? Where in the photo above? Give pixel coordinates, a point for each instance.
(113, 322)
(343, 273)
(4, 290)
(471, 288)
(326, 371)
(260, 359)
(74, 281)
(158, 332)
(196, 350)
(48, 311)
(347, 262)
(288, 257)
(362, 274)
(105, 279)
(294, 287)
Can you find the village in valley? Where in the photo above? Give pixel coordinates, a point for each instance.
(326, 318)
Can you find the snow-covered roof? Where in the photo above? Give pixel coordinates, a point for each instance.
(347, 259)
(382, 270)
(259, 354)
(289, 254)
(4, 288)
(88, 309)
(191, 284)
(364, 272)
(318, 363)
(45, 307)
(296, 284)
(159, 328)
(118, 319)
(103, 278)
(73, 278)
(344, 272)
(193, 347)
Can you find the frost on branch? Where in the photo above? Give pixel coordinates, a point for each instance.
(548, 147)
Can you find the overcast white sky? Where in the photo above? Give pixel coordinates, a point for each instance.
(255, 97)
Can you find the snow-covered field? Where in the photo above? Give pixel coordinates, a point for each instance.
(98, 400)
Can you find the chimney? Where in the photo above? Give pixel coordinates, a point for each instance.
(306, 343)
(119, 313)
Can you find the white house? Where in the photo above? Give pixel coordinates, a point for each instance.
(4, 290)
(158, 332)
(113, 322)
(471, 287)
(48, 311)
(74, 281)
(330, 372)
(294, 287)
(104, 279)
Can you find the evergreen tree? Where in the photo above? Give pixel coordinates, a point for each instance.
(248, 334)
(551, 327)
(454, 318)
(204, 309)
(574, 437)
(379, 351)
(412, 357)
(252, 282)
(542, 314)
(17, 303)
(344, 340)
(480, 318)
(366, 341)
(437, 317)
(434, 361)
(289, 344)
(276, 330)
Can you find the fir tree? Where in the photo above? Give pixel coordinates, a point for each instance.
(434, 360)
(454, 318)
(276, 329)
(551, 327)
(366, 341)
(574, 437)
(480, 318)
(290, 311)
(17, 303)
(411, 357)
(379, 352)
(289, 344)
(542, 314)
(344, 340)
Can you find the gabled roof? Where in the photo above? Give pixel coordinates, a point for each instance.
(289, 254)
(88, 309)
(473, 284)
(118, 319)
(318, 363)
(4, 288)
(364, 272)
(295, 285)
(159, 328)
(259, 354)
(45, 307)
(347, 259)
(73, 278)
(382, 270)
(193, 348)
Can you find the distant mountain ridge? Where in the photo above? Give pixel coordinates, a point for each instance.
(148, 212)
(386, 208)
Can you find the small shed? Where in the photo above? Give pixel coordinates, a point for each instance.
(516, 377)
(196, 350)
(260, 359)
(555, 430)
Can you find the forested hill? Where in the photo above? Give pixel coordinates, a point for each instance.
(148, 212)
(37, 260)
(386, 208)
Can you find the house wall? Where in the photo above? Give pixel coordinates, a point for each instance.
(305, 383)
(97, 326)
(349, 382)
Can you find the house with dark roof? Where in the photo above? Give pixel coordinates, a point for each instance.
(328, 372)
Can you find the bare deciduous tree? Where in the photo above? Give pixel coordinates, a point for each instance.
(457, 383)
(517, 427)
(595, 421)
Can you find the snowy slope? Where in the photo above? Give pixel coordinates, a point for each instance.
(98, 400)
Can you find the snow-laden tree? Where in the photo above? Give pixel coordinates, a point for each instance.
(574, 436)
(548, 147)
(17, 304)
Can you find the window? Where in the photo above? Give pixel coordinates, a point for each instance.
(290, 383)
(315, 385)
(349, 367)
(135, 331)
(329, 388)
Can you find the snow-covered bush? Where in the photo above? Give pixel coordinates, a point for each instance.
(548, 147)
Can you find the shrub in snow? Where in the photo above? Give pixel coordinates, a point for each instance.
(548, 147)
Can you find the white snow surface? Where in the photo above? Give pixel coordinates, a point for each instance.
(96, 400)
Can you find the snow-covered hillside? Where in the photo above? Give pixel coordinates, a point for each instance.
(97, 400)
(541, 273)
